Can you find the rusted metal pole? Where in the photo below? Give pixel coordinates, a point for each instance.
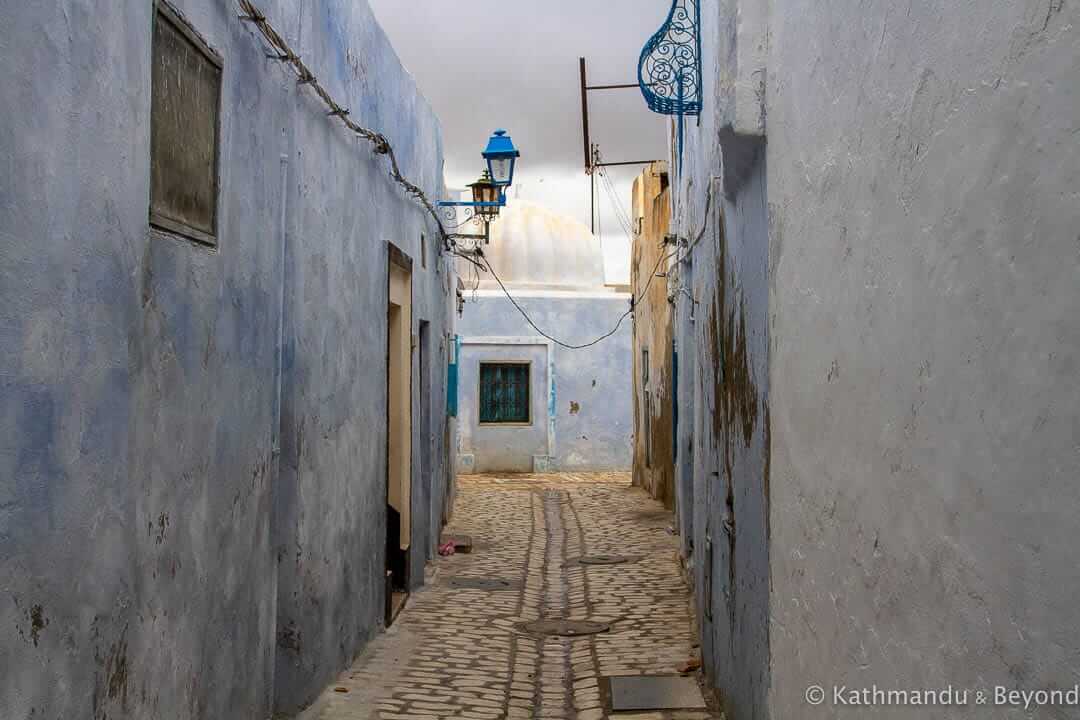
(585, 118)
(612, 87)
(629, 162)
(592, 190)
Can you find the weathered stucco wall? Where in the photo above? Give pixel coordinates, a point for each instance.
(504, 448)
(729, 426)
(924, 186)
(593, 387)
(903, 255)
(330, 527)
(720, 279)
(142, 527)
(654, 441)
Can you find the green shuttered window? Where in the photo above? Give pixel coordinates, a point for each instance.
(504, 393)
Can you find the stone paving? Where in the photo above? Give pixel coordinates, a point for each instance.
(459, 653)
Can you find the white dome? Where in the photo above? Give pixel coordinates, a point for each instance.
(532, 246)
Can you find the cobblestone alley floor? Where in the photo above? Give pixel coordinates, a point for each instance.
(457, 653)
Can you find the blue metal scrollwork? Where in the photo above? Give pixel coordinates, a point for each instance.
(669, 72)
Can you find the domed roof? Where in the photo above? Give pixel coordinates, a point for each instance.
(532, 246)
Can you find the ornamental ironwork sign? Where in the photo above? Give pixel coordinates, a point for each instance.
(669, 72)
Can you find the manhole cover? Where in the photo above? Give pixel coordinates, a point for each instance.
(477, 583)
(604, 559)
(564, 628)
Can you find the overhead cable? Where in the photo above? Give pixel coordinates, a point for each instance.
(634, 301)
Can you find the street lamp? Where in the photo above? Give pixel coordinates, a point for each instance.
(486, 197)
(489, 192)
(501, 156)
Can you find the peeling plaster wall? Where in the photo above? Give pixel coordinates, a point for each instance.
(654, 458)
(593, 387)
(719, 196)
(924, 182)
(142, 528)
(729, 439)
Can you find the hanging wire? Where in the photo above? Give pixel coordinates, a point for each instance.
(685, 253)
(305, 76)
(620, 212)
(476, 282)
(486, 264)
(382, 146)
(609, 186)
(705, 221)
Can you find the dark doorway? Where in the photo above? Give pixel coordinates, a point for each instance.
(426, 481)
(399, 432)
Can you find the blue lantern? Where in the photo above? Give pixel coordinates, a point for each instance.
(501, 156)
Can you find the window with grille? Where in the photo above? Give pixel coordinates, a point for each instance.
(504, 393)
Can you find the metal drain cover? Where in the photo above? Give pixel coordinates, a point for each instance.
(604, 559)
(656, 692)
(564, 628)
(480, 583)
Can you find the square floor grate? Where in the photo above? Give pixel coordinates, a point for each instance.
(653, 692)
(481, 583)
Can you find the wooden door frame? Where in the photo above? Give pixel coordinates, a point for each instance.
(397, 258)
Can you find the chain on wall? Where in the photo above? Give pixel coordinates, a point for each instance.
(382, 146)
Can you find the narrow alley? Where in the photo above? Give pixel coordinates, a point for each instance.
(574, 360)
(461, 651)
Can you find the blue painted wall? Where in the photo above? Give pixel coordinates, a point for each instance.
(156, 558)
(593, 388)
(496, 447)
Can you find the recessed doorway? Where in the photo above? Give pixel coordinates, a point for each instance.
(399, 431)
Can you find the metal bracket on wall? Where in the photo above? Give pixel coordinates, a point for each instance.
(592, 151)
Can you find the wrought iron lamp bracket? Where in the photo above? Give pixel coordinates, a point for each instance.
(469, 204)
(669, 71)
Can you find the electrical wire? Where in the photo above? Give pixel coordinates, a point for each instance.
(705, 222)
(620, 212)
(633, 303)
(609, 186)
(305, 76)
(468, 258)
(620, 209)
(680, 286)
(383, 147)
(476, 282)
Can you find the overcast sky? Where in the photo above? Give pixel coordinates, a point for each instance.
(487, 64)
